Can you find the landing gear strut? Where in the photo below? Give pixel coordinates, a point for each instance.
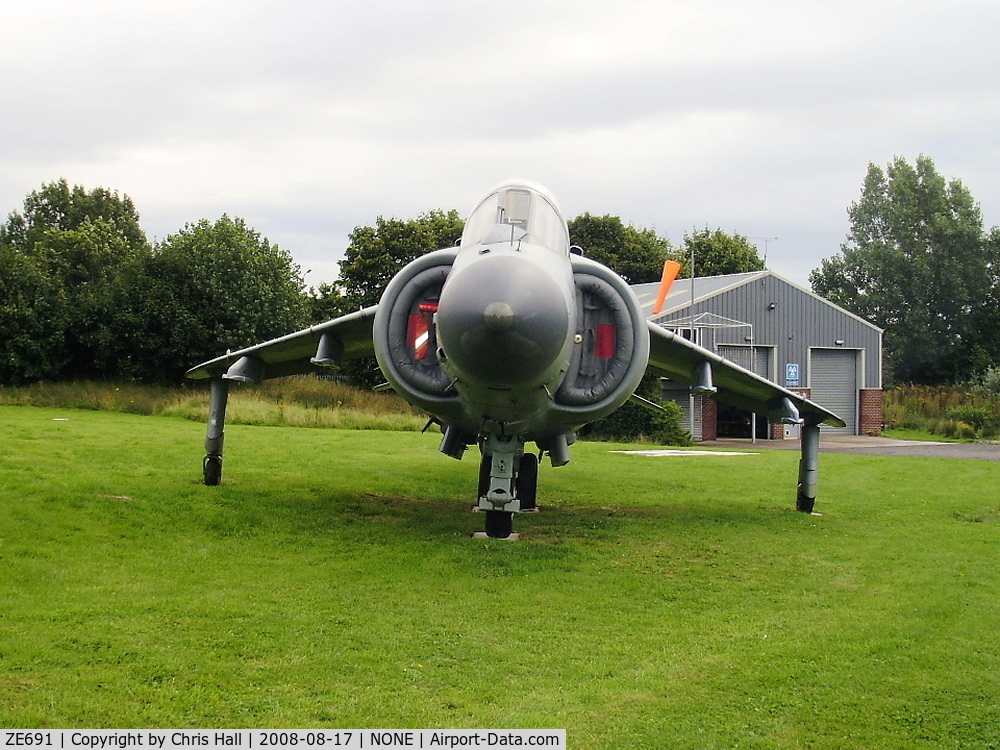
(215, 436)
(508, 482)
(805, 499)
(500, 523)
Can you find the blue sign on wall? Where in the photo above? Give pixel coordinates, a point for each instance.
(791, 374)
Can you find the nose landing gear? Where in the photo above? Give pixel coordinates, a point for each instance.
(503, 489)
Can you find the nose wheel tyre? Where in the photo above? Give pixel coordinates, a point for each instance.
(499, 524)
(527, 482)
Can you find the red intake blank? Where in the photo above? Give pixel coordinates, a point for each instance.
(605, 348)
(418, 334)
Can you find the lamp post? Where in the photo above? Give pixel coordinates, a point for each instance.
(691, 318)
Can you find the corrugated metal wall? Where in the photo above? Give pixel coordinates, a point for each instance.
(797, 322)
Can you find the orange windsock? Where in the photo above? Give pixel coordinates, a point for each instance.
(670, 270)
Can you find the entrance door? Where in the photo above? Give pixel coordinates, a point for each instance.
(733, 422)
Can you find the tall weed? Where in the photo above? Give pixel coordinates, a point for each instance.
(964, 413)
(299, 402)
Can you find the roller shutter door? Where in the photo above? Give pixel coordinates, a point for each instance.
(833, 379)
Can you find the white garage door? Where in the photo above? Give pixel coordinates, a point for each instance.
(833, 378)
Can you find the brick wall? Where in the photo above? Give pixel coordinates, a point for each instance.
(869, 415)
(709, 419)
(870, 411)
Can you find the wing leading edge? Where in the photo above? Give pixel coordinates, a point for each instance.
(679, 359)
(347, 337)
(670, 355)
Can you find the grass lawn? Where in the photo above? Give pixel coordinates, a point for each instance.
(330, 580)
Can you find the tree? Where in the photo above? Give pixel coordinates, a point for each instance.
(717, 253)
(57, 207)
(326, 302)
(63, 254)
(637, 255)
(33, 313)
(83, 294)
(917, 263)
(376, 254)
(208, 288)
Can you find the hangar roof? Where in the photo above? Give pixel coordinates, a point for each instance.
(706, 287)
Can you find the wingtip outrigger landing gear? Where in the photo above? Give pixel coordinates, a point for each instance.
(215, 435)
(805, 499)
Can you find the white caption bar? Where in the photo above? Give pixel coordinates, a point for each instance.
(280, 739)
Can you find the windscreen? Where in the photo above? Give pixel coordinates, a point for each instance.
(516, 214)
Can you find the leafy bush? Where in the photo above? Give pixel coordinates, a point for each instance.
(989, 384)
(978, 416)
(635, 423)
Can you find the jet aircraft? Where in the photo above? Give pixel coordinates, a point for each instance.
(512, 337)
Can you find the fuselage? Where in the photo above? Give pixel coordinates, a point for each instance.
(510, 333)
(507, 314)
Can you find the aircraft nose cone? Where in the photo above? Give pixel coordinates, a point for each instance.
(502, 320)
(498, 316)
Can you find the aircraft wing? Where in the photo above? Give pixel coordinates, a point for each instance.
(292, 354)
(678, 359)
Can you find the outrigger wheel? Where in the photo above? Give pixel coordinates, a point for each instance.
(212, 466)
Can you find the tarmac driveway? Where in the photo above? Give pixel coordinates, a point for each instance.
(881, 446)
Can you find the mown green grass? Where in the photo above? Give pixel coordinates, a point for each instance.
(331, 580)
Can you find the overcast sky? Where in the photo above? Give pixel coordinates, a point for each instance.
(310, 118)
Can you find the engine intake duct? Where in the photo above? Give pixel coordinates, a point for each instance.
(604, 343)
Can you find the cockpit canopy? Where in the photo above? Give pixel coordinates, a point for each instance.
(517, 212)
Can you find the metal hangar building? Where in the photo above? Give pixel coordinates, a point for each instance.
(783, 332)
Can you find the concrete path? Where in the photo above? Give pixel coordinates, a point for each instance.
(860, 444)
